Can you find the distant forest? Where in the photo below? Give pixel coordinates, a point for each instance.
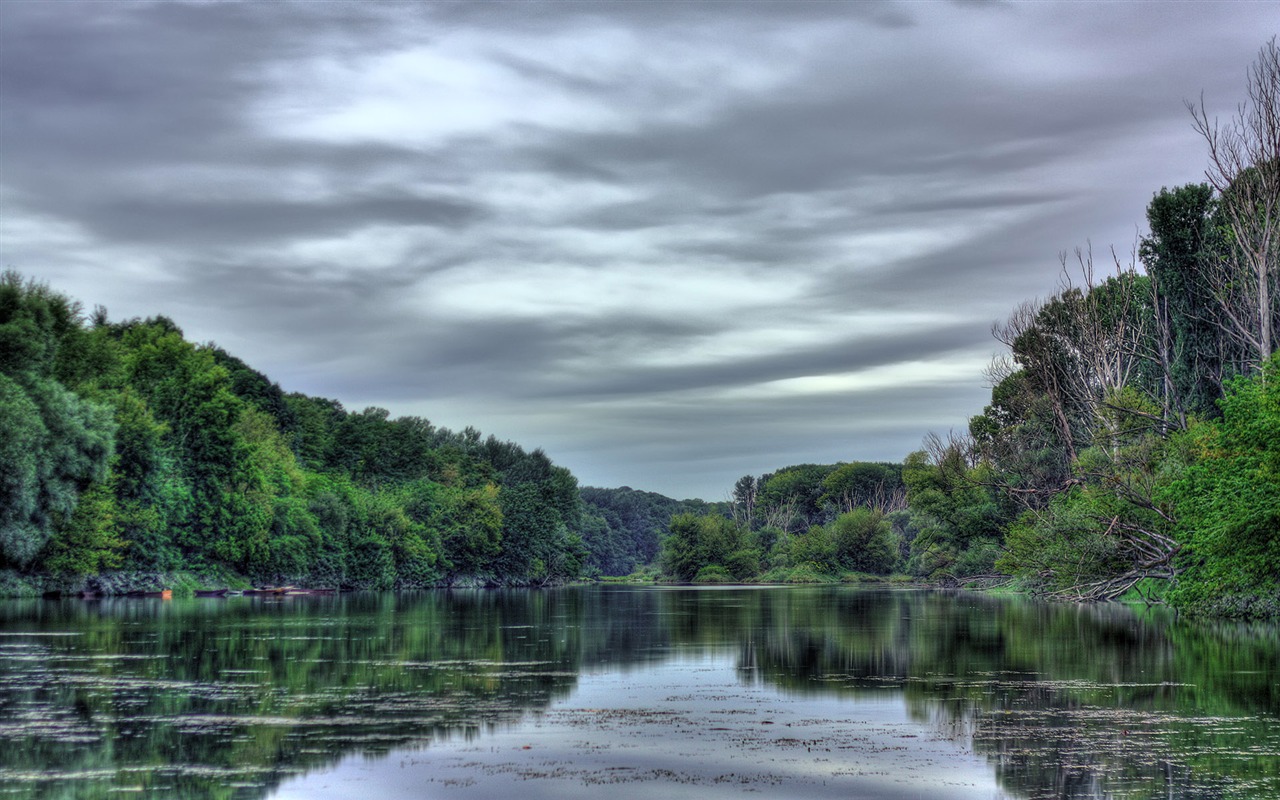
(1131, 448)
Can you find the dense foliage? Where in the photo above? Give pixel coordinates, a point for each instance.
(800, 524)
(126, 448)
(1227, 501)
(1132, 443)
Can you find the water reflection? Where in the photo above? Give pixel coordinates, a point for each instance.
(230, 697)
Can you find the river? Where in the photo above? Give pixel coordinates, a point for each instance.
(655, 692)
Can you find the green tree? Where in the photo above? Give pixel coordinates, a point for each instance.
(89, 541)
(1177, 255)
(54, 443)
(1227, 502)
(315, 421)
(1017, 435)
(792, 497)
(634, 523)
(861, 484)
(124, 439)
(22, 435)
(698, 542)
(467, 523)
(956, 511)
(862, 541)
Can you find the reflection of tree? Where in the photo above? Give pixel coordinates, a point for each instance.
(188, 698)
(1067, 702)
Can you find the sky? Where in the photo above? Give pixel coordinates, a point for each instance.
(670, 243)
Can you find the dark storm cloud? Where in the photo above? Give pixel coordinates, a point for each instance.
(968, 201)
(204, 221)
(667, 16)
(650, 237)
(831, 130)
(97, 84)
(835, 415)
(458, 359)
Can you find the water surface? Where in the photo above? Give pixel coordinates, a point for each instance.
(813, 692)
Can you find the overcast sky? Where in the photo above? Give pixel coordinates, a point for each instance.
(671, 243)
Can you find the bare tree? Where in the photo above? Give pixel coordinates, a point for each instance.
(1244, 169)
(886, 500)
(1107, 335)
(1162, 354)
(745, 493)
(782, 516)
(1084, 345)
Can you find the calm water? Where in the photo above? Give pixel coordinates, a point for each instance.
(790, 692)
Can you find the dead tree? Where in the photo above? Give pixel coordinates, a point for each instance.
(1244, 169)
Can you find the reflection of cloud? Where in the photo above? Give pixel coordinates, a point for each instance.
(525, 219)
(686, 727)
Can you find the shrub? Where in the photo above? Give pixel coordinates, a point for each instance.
(713, 573)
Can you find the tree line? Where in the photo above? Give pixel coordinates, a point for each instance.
(803, 523)
(129, 454)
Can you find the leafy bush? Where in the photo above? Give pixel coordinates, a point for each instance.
(1228, 504)
(696, 542)
(713, 573)
(862, 541)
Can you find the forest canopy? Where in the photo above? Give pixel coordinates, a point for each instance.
(125, 448)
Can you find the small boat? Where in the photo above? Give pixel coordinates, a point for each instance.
(211, 592)
(311, 591)
(163, 594)
(271, 590)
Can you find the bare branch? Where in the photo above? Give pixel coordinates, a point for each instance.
(1244, 170)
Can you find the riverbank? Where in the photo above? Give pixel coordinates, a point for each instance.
(119, 584)
(187, 583)
(180, 584)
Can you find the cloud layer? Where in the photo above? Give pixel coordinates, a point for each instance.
(671, 243)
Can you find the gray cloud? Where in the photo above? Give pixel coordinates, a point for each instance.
(848, 354)
(202, 221)
(645, 236)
